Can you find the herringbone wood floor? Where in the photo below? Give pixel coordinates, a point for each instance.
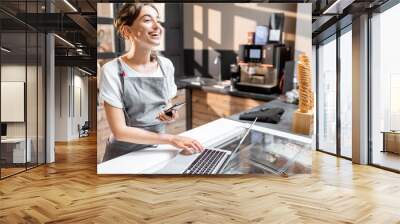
(70, 191)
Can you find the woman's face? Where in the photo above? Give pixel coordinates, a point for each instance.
(146, 30)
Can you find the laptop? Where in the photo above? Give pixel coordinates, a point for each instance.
(213, 161)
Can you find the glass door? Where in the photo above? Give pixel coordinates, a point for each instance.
(22, 77)
(326, 101)
(14, 155)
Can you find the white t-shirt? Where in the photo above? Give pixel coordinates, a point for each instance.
(110, 84)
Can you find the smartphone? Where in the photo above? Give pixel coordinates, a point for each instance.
(176, 106)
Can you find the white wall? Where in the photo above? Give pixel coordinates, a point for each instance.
(224, 26)
(62, 80)
(69, 85)
(10, 72)
(79, 117)
(303, 31)
(34, 125)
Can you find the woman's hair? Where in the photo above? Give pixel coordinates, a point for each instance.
(127, 16)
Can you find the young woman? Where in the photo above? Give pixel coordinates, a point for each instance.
(137, 87)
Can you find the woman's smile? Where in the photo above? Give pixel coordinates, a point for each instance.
(155, 35)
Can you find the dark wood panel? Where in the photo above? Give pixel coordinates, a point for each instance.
(208, 106)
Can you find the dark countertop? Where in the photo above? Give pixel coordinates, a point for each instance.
(180, 84)
(273, 100)
(233, 92)
(284, 125)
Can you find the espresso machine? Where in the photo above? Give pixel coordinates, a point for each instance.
(260, 67)
(262, 60)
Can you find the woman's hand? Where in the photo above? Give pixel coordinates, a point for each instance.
(188, 145)
(165, 118)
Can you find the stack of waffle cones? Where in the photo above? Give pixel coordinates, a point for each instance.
(306, 98)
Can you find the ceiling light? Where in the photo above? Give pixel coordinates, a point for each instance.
(5, 49)
(337, 7)
(80, 51)
(65, 41)
(84, 71)
(70, 5)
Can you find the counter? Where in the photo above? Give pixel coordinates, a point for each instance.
(206, 102)
(285, 125)
(264, 151)
(181, 83)
(269, 148)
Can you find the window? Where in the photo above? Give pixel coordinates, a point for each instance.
(385, 88)
(346, 93)
(334, 97)
(327, 96)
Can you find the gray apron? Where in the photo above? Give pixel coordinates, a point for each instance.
(142, 98)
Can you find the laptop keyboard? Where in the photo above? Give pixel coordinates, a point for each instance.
(206, 162)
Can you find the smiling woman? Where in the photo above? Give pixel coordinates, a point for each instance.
(130, 13)
(138, 86)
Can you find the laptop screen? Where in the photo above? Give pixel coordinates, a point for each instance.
(238, 145)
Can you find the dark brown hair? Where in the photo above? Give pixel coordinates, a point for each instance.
(128, 14)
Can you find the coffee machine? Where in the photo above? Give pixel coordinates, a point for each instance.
(261, 67)
(262, 60)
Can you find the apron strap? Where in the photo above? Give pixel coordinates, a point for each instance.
(122, 75)
(165, 76)
(161, 67)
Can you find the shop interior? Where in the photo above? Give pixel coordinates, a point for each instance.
(52, 124)
(224, 70)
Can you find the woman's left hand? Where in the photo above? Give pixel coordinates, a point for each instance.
(165, 118)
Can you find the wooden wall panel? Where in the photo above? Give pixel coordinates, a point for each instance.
(208, 106)
(92, 101)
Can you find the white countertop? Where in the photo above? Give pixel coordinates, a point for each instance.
(150, 160)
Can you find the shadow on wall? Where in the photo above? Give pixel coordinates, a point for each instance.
(213, 29)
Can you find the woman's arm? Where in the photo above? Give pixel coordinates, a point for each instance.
(122, 132)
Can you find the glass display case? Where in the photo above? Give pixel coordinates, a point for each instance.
(263, 153)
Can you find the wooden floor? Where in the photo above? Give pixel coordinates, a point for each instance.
(70, 191)
(387, 159)
(10, 171)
